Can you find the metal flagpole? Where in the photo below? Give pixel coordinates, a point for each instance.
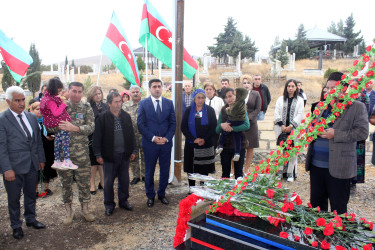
(171, 173)
(100, 69)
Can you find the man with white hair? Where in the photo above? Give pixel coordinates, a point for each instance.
(187, 96)
(138, 165)
(21, 156)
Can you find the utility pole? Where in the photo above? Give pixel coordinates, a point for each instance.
(179, 81)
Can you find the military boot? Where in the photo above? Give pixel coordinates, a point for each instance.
(85, 212)
(68, 220)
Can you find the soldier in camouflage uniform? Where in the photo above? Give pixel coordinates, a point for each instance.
(81, 126)
(131, 107)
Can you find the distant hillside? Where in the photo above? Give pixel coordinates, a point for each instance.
(90, 61)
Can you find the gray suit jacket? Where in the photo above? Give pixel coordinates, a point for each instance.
(16, 153)
(350, 127)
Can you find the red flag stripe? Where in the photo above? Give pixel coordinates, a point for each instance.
(15, 65)
(164, 34)
(115, 36)
(144, 12)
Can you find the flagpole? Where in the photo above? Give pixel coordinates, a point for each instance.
(146, 59)
(100, 67)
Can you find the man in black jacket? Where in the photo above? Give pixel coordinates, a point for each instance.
(114, 146)
(265, 96)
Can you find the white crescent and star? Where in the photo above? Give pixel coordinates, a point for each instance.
(158, 30)
(120, 45)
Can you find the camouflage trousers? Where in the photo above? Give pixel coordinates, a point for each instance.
(138, 165)
(82, 177)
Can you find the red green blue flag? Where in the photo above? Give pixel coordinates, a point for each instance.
(159, 40)
(116, 46)
(17, 59)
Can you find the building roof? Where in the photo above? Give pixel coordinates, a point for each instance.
(317, 37)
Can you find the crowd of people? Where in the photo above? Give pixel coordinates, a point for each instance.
(64, 136)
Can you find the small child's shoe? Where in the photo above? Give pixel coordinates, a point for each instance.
(70, 164)
(57, 165)
(236, 157)
(219, 150)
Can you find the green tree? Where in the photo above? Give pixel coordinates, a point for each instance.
(87, 84)
(353, 38)
(231, 42)
(86, 69)
(112, 67)
(34, 73)
(140, 63)
(300, 46)
(200, 63)
(73, 65)
(7, 79)
(278, 52)
(66, 62)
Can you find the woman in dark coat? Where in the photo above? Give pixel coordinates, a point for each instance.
(48, 146)
(95, 98)
(198, 126)
(253, 106)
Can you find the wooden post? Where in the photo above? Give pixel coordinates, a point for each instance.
(178, 93)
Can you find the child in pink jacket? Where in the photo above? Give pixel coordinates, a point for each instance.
(52, 107)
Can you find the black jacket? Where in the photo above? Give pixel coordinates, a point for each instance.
(104, 135)
(266, 96)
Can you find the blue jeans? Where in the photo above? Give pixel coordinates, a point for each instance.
(261, 116)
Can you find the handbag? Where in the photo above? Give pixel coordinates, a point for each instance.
(282, 137)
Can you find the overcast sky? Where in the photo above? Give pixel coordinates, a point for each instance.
(77, 28)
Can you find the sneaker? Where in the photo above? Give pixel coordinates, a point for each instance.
(236, 157)
(57, 165)
(70, 165)
(219, 150)
(290, 179)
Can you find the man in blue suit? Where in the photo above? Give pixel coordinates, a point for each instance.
(157, 124)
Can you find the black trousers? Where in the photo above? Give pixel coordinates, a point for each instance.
(323, 187)
(226, 163)
(27, 183)
(118, 168)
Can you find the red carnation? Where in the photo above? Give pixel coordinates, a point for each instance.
(314, 244)
(281, 143)
(321, 129)
(367, 247)
(355, 62)
(370, 73)
(320, 222)
(284, 235)
(308, 231)
(279, 184)
(332, 91)
(270, 193)
(343, 77)
(257, 168)
(366, 58)
(368, 48)
(289, 142)
(328, 230)
(325, 245)
(316, 112)
(355, 73)
(297, 238)
(271, 153)
(309, 205)
(340, 248)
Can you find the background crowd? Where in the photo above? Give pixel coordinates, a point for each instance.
(125, 132)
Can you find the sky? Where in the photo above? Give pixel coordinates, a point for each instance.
(76, 28)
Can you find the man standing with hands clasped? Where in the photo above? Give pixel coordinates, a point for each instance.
(157, 124)
(114, 146)
(21, 155)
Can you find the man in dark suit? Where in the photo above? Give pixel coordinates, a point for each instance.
(157, 124)
(21, 155)
(114, 146)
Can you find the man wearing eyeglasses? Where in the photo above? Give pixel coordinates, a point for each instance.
(265, 95)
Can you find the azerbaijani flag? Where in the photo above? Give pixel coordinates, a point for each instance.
(116, 46)
(17, 59)
(159, 40)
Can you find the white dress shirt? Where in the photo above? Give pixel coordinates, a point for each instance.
(25, 120)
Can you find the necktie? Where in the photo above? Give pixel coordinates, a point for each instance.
(158, 108)
(25, 128)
